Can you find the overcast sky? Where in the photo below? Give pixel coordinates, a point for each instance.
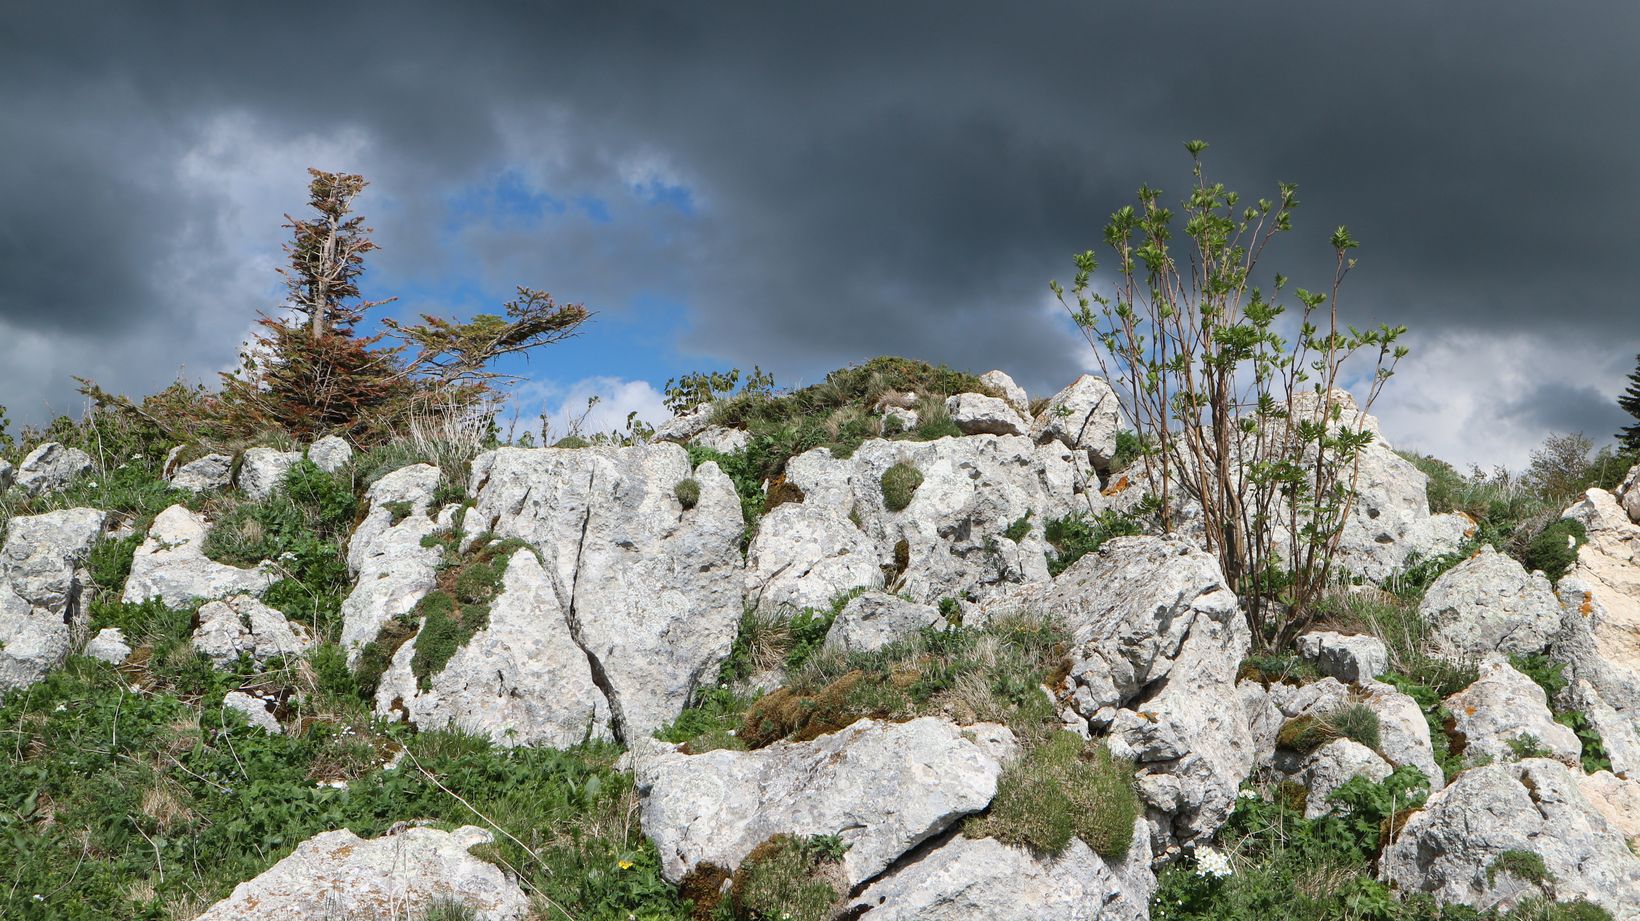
(805, 185)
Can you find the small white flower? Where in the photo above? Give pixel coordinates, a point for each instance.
(1211, 862)
(1247, 794)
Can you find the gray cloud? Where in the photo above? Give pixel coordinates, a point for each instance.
(868, 177)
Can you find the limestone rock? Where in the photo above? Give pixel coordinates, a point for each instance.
(1600, 594)
(1403, 732)
(171, 565)
(1500, 707)
(876, 619)
(109, 646)
(1447, 848)
(686, 426)
(806, 555)
(7, 474)
(42, 580)
(1086, 416)
(1351, 659)
(1489, 603)
(1628, 494)
(340, 875)
(242, 625)
(899, 418)
(257, 711)
(1333, 765)
(1012, 392)
(262, 471)
(521, 680)
(967, 879)
(1615, 798)
(1155, 640)
(330, 453)
(651, 591)
(977, 414)
(883, 787)
(208, 473)
(51, 467)
(394, 570)
(721, 439)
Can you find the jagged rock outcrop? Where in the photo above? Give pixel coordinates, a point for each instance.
(109, 646)
(722, 439)
(1403, 732)
(340, 875)
(1333, 765)
(950, 541)
(242, 625)
(883, 788)
(1086, 416)
(51, 467)
(171, 565)
(521, 680)
(978, 414)
(876, 619)
(1600, 637)
(1155, 641)
(686, 425)
(1490, 604)
(207, 474)
(386, 554)
(650, 590)
(258, 711)
(1504, 706)
(1004, 385)
(965, 879)
(1451, 847)
(262, 471)
(330, 453)
(42, 582)
(1350, 659)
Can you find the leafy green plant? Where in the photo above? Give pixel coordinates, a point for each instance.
(1064, 787)
(1020, 527)
(1527, 745)
(1075, 536)
(1554, 549)
(785, 878)
(899, 484)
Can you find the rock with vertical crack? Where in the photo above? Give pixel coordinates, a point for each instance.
(386, 553)
(42, 586)
(1086, 416)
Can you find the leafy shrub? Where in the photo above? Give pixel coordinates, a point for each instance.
(1554, 549)
(1020, 527)
(899, 484)
(1063, 788)
(1075, 536)
(1526, 866)
(1594, 757)
(688, 492)
(110, 561)
(1526, 746)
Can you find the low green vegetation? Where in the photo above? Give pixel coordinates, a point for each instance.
(1063, 788)
(899, 484)
(1305, 734)
(688, 492)
(1075, 536)
(1549, 675)
(1554, 549)
(786, 878)
(1522, 865)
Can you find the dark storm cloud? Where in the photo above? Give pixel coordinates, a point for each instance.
(869, 177)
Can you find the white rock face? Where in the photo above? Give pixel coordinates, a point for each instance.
(242, 625)
(171, 565)
(1600, 639)
(207, 474)
(256, 711)
(330, 453)
(1403, 731)
(967, 879)
(109, 646)
(1501, 706)
(1151, 619)
(1628, 493)
(1446, 848)
(1333, 765)
(1615, 798)
(651, 591)
(903, 417)
(1488, 604)
(882, 787)
(954, 530)
(522, 680)
(340, 875)
(1351, 659)
(978, 414)
(1012, 392)
(722, 439)
(42, 578)
(51, 467)
(385, 552)
(686, 426)
(262, 471)
(1086, 416)
(875, 620)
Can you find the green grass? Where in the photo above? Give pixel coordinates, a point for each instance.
(688, 492)
(787, 878)
(1525, 866)
(1305, 734)
(1060, 789)
(899, 483)
(1075, 536)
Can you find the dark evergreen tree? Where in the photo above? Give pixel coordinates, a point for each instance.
(1630, 401)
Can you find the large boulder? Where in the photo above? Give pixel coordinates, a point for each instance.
(650, 590)
(1490, 604)
(243, 626)
(882, 787)
(171, 565)
(1351, 659)
(953, 539)
(1156, 637)
(967, 879)
(330, 453)
(876, 619)
(1628, 493)
(386, 553)
(51, 467)
(1503, 706)
(340, 875)
(1333, 765)
(1004, 385)
(262, 471)
(1601, 595)
(1451, 848)
(1086, 416)
(206, 474)
(686, 425)
(42, 584)
(978, 414)
(520, 680)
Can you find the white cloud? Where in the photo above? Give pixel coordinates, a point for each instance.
(564, 406)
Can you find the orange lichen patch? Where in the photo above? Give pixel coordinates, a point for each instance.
(1473, 524)
(1587, 607)
(1469, 710)
(1122, 483)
